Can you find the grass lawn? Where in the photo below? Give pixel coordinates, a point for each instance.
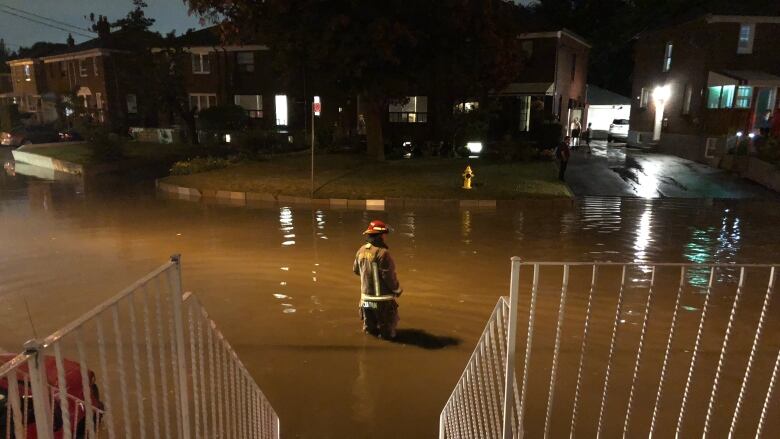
(142, 151)
(354, 177)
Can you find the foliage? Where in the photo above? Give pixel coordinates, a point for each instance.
(769, 150)
(470, 126)
(512, 150)
(381, 50)
(9, 117)
(199, 164)
(223, 118)
(550, 135)
(104, 145)
(257, 141)
(136, 19)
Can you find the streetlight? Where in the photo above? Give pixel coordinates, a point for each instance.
(661, 95)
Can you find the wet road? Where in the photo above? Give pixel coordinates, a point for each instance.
(615, 170)
(277, 281)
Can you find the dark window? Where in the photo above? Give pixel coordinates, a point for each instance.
(573, 65)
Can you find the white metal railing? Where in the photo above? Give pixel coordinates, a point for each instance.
(148, 362)
(574, 383)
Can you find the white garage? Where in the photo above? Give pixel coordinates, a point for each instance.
(604, 106)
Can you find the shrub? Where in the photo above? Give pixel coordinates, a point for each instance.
(9, 117)
(770, 150)
(551, 134)
(223, 118)
(104, 145)
(512, 150)
(199, 164)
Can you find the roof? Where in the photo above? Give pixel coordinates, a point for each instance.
(37, 50)
(209, 36)
(599, 96)
(528, 88)
(754, 78)
(555, 34)
(118, 40)
(718, 15)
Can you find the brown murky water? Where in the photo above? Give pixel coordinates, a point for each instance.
(277, 281)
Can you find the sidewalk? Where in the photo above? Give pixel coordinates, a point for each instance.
(617, 171)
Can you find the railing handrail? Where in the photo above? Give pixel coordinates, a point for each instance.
(648, 264)
(72, 326)
(13, 363)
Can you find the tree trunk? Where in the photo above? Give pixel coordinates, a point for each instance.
(374, 138)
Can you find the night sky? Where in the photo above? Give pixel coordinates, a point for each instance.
(170, 14)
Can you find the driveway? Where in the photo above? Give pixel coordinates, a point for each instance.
(618, 171)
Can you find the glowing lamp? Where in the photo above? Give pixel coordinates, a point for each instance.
(662, 93)
(739, 133)
(474, 147)
(751, 135)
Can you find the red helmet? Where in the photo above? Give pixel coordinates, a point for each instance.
(377, 227)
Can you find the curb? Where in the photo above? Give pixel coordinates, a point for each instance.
(254, 198)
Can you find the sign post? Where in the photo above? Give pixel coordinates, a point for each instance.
(316, 109)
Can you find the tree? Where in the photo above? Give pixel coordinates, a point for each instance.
(381, 50)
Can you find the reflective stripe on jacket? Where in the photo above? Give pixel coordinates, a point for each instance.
(389, 286)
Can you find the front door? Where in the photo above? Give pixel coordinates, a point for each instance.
(765, 101)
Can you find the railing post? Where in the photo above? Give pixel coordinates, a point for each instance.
(509, 379)
(40, 390)
(442, 434)
(176, 304)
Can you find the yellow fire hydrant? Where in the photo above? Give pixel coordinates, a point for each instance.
(468, 174)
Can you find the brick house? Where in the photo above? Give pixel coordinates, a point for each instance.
(219, 74)
(91, 71)
(551, 86)
(552, 83)
(719, 74)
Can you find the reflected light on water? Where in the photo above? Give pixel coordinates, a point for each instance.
(648, 180)
(643, 235)
(286, 225)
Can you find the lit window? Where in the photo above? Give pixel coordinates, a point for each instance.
(744, 95)
(644, 97)
(253, 104)
(82, 68)
(746, 34)
(281, 109)
(668, 57)
(465, 107)
(686, 109)
(28, 72)
(201, 101)
(713, 97)
(246, 61)
(721, 96)
(201, 63)
(413, 110)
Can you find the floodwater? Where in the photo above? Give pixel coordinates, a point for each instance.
(278, 282)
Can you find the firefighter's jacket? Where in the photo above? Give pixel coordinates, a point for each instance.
(368, 254)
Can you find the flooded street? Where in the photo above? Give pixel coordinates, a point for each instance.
(278, 282)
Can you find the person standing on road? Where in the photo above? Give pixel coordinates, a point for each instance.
(586, 136)
(379, 286)
(562, 153)
(576, 129)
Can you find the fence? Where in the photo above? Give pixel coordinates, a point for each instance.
(148, 362)
(625, 350)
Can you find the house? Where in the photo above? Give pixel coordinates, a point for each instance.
(700, 84)
(95, 72)
(242, 74)
(551, 85)
(602, 107)
(28, 82)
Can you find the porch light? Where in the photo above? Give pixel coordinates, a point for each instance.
(227, 138)
(474, 147)
(739, 133)
(662, 93)
(751, 135)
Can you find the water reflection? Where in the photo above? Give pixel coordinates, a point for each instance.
(714, 245)
(643, 234)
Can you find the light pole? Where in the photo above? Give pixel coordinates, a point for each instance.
(660, 96)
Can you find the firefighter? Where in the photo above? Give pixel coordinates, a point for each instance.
(379, 285)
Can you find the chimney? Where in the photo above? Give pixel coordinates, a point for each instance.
(71, 42)
(102, 27)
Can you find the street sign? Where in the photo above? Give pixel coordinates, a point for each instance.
(317, 106)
